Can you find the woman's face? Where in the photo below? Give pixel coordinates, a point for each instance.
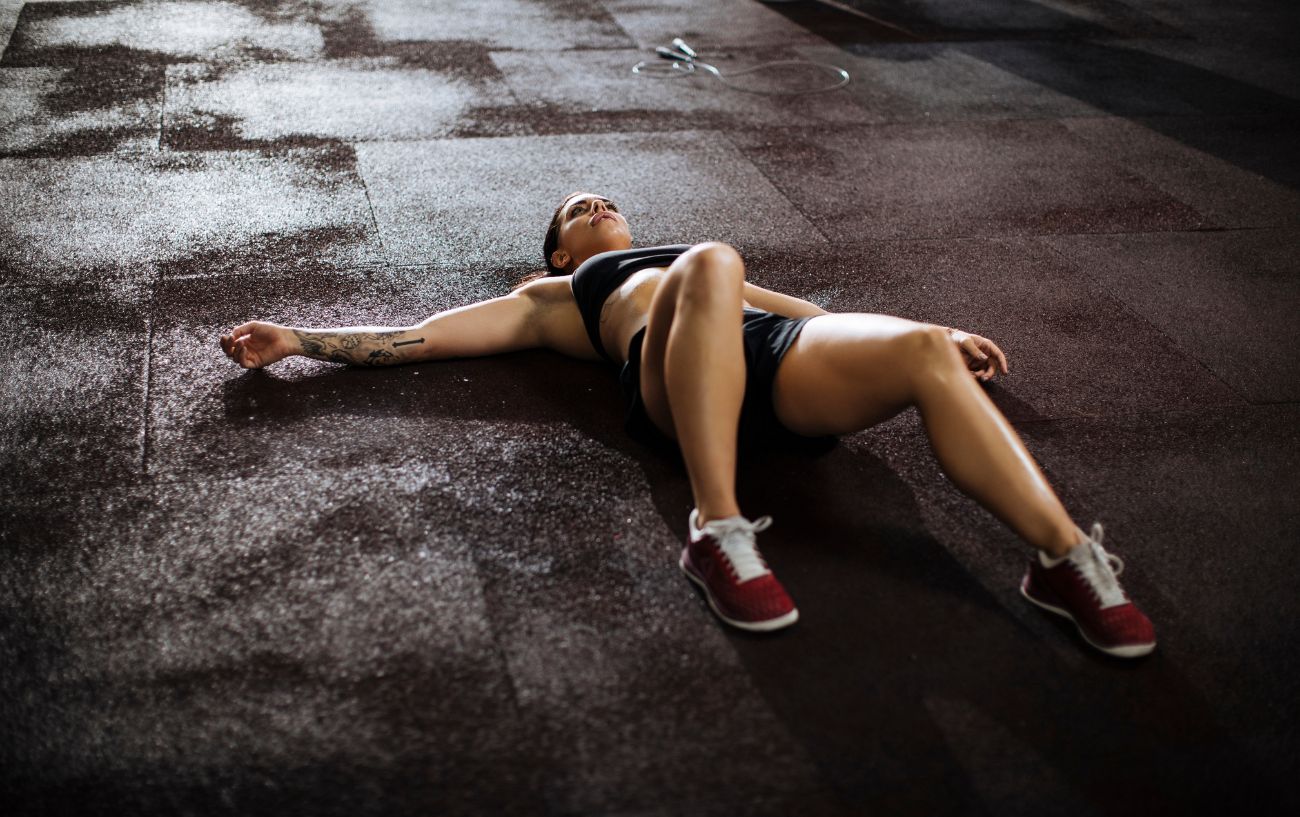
(589, 224)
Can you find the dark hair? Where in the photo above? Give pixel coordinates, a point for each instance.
(548, 245)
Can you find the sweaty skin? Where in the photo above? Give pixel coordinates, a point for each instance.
(590, 224)
(841, 373)
(839, 376)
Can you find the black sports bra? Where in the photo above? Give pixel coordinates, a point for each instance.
(601, 274)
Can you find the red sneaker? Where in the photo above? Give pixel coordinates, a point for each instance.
(722, 559)
(1083, 587)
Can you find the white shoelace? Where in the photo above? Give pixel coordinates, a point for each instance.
(735, 536)
(1100, 568)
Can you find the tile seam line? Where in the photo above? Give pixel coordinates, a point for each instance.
(845, 127)
(866, 242)
(1154, 412)
(437, 266)
(499, 649)
(1211, 408)
(862, 243)
(1136, 118)
(1140, 317)
(162, 109)
(781, 192)
(851, 128)
(940, 238)
(871, 242)
(150, 482)
(1033, 236)
(148, 376)
(183, 478)
(370, 205)
(855, 12)
(757, 48)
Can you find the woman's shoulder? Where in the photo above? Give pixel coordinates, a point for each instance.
(549, 288)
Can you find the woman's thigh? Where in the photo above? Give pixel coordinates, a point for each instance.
(663, 309)
(846, 372)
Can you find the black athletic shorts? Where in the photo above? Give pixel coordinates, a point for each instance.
(766, 338)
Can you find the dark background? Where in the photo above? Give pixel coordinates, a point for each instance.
(451, 588)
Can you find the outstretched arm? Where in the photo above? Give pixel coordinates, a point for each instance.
(259, 343)
(505, 324)
(780, 303)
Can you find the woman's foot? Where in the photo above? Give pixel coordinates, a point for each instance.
(1083, 586)
(723, 560)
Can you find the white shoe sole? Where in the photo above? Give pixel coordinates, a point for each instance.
(753, 626)
(1131, 651)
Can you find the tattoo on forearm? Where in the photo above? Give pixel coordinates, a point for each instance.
(356, 348)
(310, 348)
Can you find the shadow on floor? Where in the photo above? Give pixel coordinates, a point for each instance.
(903, 667)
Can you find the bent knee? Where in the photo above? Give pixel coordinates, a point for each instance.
(718, 252)
(930, 346)
(711, 266)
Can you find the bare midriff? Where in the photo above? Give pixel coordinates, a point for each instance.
(627, 310)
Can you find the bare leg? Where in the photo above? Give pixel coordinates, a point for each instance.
(847, 372)
(983, 455)
(696, 392)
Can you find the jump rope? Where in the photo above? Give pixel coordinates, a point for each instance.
(685, 59)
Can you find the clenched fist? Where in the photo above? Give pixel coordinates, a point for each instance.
(257, 343)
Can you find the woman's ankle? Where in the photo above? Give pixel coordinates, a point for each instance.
(709, 513)
(1064, 542)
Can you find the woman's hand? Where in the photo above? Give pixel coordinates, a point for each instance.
(257, 343)
(982, 356)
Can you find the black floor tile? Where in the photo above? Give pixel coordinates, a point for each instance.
(75, 384)
(1227, 299)
(453, 587)
(958, 180)
(1073, 348)
(66, 218)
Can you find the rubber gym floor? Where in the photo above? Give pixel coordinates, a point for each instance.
(452, 587)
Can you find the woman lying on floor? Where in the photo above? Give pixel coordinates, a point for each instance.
(714, 362)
